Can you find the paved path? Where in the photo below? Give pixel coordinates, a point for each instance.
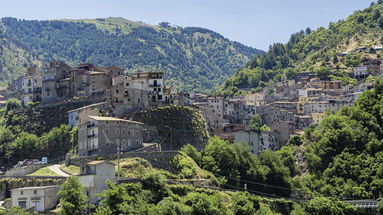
(56, 169)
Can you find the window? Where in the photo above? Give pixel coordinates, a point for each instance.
(34, 192)
(117, 131)
(21, 192)
(23, 204)
(107, 131)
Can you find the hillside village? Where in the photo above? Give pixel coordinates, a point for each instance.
(286, 107)
(110, 99)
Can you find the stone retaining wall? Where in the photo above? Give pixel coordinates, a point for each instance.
(160, 160)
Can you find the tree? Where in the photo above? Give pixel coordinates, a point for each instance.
(116, 200)
(169, 206)
(256, 123)
(323, 73)
(15, 211)
(308, 31)
(201, 203)
(192, 152)
(156, 183)
(328, 206)
(242, 204)
(380, 206)
(297, 210)
(72, 198)
(380, 22)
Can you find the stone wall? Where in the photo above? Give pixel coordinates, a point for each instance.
(24, 170)
(159, 160)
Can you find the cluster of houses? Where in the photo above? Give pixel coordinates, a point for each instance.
(287, 108)
(58, 82)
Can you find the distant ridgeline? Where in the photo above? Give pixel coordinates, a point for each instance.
(329, 52)
(194, 59)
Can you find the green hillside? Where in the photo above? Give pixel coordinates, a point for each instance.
(311, 51)
(194, 59)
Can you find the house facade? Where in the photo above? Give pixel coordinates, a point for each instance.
(108, 135)
(93, 177)
(41, 198)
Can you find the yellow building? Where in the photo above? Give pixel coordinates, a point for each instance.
(317, 118)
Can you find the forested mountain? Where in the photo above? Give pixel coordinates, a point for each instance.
(194, 59)
(333, 50)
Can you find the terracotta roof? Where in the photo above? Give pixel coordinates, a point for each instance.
(107, 118)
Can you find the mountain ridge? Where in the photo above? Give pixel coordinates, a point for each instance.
(194, 59)
(310, 51)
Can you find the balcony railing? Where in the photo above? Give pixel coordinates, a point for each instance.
(91, 135)
(155, 85)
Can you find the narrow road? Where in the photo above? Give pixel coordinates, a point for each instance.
(56, 169)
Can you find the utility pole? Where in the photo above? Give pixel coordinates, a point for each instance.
(118, 159)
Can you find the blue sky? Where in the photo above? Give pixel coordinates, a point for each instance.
(257, 23)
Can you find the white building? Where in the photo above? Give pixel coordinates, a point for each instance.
(41, 198)
(94, 176)
(257, 141)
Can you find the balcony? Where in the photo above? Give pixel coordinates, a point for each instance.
(155, 85)
(91, 135)
(90, 125)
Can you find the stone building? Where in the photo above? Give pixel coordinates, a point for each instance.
(127, 94)
(107, 135)
(257, 141)
(31, 87)
(41, 198)
(52, 75)
(80, 115)
(93, 177)
(86, 80)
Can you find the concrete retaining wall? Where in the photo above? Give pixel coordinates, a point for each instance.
(24, 170)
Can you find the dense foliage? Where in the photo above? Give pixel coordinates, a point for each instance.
(17, 144)
(154, 196)
(312, 51)
(72, 198)
(345, 152)
(268, 173)
(194, 59)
